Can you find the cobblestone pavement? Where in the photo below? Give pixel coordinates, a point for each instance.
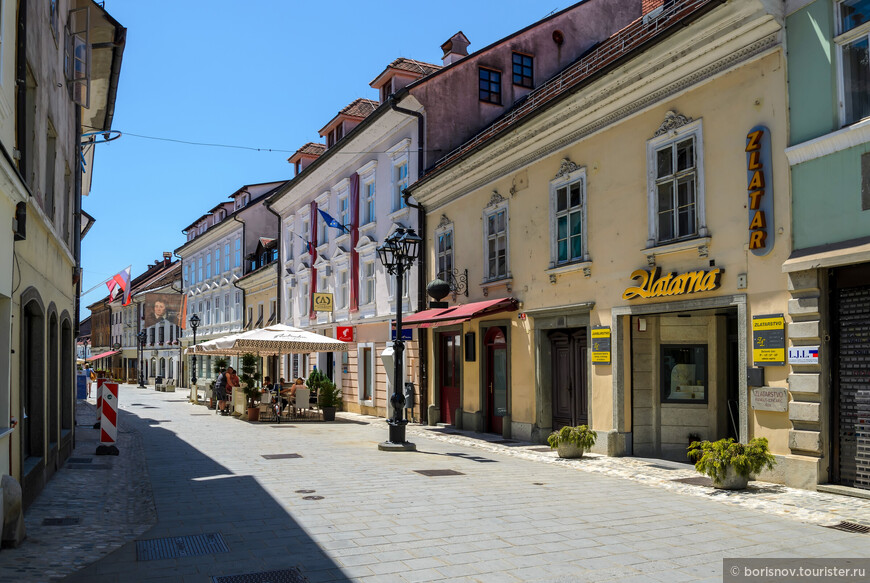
(334, 508)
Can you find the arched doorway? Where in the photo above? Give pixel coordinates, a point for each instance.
(67, 378)
(495, 344)
(32, 384)
(53, 383)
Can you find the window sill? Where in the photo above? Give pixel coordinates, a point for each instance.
(342, 239)
(322, 248)
(368, 228)
(699, 244)
(400, 214)
(507, 282)
(584, 266)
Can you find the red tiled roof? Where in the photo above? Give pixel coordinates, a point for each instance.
(410, 65)
(360, 108)
(606, 53)
(311, 149)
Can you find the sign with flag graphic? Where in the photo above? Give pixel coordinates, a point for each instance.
(803, 355)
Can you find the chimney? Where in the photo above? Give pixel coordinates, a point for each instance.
(455, 48)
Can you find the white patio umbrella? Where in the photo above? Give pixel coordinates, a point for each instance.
(275, 339)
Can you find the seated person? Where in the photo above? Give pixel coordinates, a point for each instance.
(289, 394)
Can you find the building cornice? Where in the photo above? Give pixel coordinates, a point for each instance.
(855, 135)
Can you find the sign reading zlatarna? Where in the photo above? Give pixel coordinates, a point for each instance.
(322, 302)
(653, 285)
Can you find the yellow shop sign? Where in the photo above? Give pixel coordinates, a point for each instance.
(322, 302)
(652, 285)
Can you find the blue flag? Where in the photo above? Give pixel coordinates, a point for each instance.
(331, 222)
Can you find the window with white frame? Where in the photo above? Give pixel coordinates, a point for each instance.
(306, 229)
(568, 217)
(322, 229)
(227, 256)
(186, 275)
(199, 263)
(495, 220)
(324, 284)
(238, 305)
(368, 282)
(228, 311)
(208, 266)
(289, 304)
(853, 45)
(368, 202)
(217, 310)
(400, 183)
(208, 312)
(238, 250)
(676, 194)
(392, 285)
(444, 253)
(344, 210)
(303, 299)
(341, 300)
(217, 260)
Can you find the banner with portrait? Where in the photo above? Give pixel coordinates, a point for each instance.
(168, 307)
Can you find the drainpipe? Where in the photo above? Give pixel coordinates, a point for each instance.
(422, 339)
(184, 324)
(244, 307)
(280, 270)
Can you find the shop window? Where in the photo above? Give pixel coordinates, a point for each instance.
(853, 44)
(676, 185)
(684, 373)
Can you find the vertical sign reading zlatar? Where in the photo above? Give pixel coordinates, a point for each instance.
(760, 187)
(768, 340)
(601, 346)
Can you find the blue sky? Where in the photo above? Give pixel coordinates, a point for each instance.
(267, 74)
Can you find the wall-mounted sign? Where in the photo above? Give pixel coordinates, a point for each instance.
(803, 355)
(770, 399)
(652, 285)
(344, 333)
(760, 180)
(322, 302)
(407, 333)
(768, 340)
(601, 345)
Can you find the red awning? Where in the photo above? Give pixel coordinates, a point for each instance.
(103, 355)
(457, 314)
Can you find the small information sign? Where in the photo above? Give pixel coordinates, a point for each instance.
(770, 399)
(803, 355)
(601, 345)
(322, 302)
(768, 340)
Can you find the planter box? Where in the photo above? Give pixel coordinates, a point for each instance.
(731, 481)
(569, 451)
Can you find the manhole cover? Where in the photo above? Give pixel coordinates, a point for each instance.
(280, 456)
(699, 481)
(283, 576)
(305, 491)
(180, 546)
(850, 527)
(312, 497)
(79, 460)
(88, 466)
(541, 449)
(65, 521)
(439, 472)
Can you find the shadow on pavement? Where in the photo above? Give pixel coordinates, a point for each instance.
(194, 495)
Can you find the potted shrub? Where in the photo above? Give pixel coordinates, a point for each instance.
(731, 464)
(248, 384)
(571, 442)
(219, 365)
(328, 399)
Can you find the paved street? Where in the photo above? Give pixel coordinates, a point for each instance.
(344, 511)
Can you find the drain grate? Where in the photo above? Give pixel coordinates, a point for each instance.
(699, 481)
(280, 456)
(65, 521)
(282, 576)
(305, 491)
(180, 546)
(439, 472)
(661, 467)
(79, 460)
(312, 497)
(850, 527)
(89, 466)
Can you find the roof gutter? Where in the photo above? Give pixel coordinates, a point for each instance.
(280, 282)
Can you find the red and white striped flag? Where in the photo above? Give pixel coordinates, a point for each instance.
(121, 280)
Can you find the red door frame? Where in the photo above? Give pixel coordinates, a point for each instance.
(449, 377)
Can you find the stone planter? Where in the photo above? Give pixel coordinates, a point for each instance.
(328, 413)
(569, 451)
(254, 414)
(731, 481)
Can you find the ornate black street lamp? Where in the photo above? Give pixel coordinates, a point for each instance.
(398, 253)
(142, 336)
(194, 324)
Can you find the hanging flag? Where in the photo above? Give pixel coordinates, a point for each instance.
(331, 222)
(308, 244)
(121, 280)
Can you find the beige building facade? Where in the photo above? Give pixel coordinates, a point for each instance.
(608, 232)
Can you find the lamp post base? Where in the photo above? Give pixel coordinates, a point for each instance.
(396, 441)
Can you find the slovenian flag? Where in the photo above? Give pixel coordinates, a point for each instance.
(121, 280)
(331, 222)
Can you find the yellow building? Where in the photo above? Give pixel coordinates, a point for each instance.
(623, 231)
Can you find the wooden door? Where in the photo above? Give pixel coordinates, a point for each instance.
(568, 370)
(496, 379)
(449, 379)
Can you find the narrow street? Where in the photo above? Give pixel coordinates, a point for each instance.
(337, 509)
